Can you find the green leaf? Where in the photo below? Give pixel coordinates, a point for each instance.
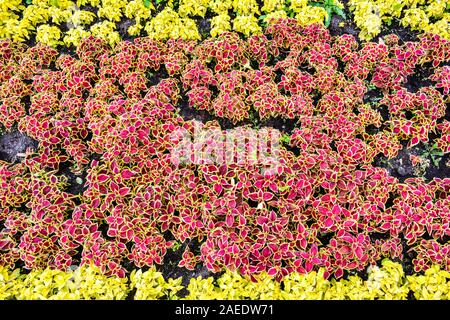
(436, 161)
(316, 4)
(328, 19)
(29, 2)
(285, 138)
(339, 12)
(147, 3)
(371, 86)
(177, 245)
(397, 6)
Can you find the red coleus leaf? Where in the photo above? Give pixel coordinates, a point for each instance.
(124, 191)
(127, 174)
(338, 273)
(349, 223)
(55, 140)
(359, 253)
(328, 223)
(272, 271)
(230, 220)
(266, 252)
(386, 226)
(309, 266)
(218, 188)
(259, 184)
(261, 220)
(273, 187)
(102, 177)
(267, 196)
(253, 196)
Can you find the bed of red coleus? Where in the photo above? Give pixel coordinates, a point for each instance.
(99, 111)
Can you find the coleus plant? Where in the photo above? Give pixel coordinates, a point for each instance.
(325, 205)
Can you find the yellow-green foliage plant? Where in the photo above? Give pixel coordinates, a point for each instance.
(83, 283)
(385, 282)
(433, 285)
(150, 285)
(46, 19)
(431, 16)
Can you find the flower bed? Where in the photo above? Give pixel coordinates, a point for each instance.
(325, 205)
(243, 156)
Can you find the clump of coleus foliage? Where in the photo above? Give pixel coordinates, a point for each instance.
(327, 207)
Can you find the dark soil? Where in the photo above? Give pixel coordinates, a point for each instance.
(76, 181)
(373, 95)
(88, 7)
(403, 33)
(122, 28)
(204, 24)
(401, 166)
(441, 171)
(284, 125)
(419, 79)
(407, 261)
(13, 144)
(325, 238)
(349, 26)
(411, 296)
(155, 77)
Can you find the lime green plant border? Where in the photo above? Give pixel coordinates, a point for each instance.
(385, 282)
(432, 16)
